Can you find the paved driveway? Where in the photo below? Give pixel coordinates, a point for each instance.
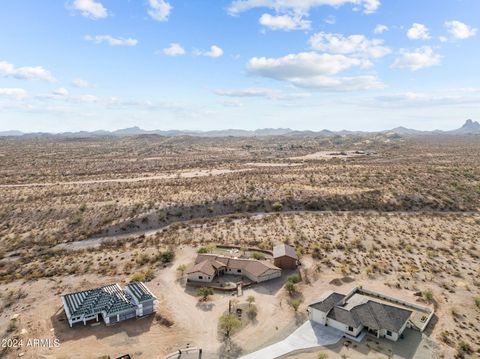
(309, 335)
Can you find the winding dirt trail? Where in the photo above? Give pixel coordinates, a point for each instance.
(190, 174)
(97, 241)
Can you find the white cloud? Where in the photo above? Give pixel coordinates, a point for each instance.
(313, 70)
(421, 99)
(62, 91)
(459, 30)
(232, 103)
(81, 83)
(418, 59)
(330, 19)
(159, 10)
(90, 8)
(174, 49)
(328, 83)
(214, 52)
(443, 38)
(357, 45)
(260, 92)
(112, 41)
(380, 29)
(299, 7)
(284, 22)
(16, 93)
(25, 73)
(85, 98)
(418, 32)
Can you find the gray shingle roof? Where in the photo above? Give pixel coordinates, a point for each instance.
(344, 316)
(328, 303)
(370, 314)
(381, 316)
(282, 250)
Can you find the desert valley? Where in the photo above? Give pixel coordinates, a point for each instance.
(394, 213)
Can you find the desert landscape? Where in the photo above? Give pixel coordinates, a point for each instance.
(395, 213)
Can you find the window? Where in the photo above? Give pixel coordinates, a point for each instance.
(389, 333)
(350, 329)
(239, 270)
(200, 277)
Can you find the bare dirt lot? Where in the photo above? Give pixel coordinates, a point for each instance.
(404, 220)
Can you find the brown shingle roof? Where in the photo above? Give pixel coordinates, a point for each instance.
(208, 263)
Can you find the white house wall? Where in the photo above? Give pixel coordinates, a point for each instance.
(200, 277)
(317, 316)
(270, 274)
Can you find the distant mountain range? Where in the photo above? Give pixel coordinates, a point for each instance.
(469, 128)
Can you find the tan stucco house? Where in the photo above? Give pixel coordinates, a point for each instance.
(209, 266)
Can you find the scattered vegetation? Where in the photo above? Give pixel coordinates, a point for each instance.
(204, 293)
(228, 323)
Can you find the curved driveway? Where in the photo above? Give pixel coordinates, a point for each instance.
(309, 335)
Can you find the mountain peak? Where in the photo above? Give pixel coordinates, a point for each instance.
(470, 126)
(470, 123)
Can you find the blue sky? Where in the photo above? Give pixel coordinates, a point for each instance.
(215, 64)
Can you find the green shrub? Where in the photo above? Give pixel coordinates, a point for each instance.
(258, 256)
(294, 278)
(167, 256)
(290, 287)
(204, 292)
(295, 303)
(277, 206)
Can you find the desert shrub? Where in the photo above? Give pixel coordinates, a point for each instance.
(463, 348)
(143, 276)
(252, 311)
(206, 249)
(477, 302)
(277, 206)
(138, 277)
(166, 256)
(258, 256)
(295, 303)
(229, 323)
(142, 258)
(290, 288)
(428, 295)
(204, 292)
(294, 278)
(181, 269)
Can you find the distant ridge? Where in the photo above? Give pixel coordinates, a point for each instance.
(470, 127)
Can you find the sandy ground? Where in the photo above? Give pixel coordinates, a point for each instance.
(321, 155)
(189, 174)
(195, 323)
(41, 316)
